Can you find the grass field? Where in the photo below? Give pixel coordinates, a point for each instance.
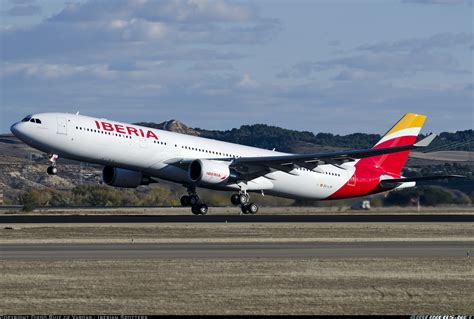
(236, 232)
(240, 286)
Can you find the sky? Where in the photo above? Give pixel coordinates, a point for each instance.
(321, 66)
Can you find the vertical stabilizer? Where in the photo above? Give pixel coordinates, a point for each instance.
(403, 133)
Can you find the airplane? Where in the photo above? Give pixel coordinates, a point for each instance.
(134, 155)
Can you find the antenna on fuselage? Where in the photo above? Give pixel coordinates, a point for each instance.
(77, 113)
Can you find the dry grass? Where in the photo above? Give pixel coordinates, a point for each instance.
(97, 233)
(240, 286)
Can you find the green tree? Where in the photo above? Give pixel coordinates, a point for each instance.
(29, 199)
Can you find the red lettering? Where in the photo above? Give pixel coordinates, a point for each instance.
(151, 134)
(131, 130)
(141, 133)
(119, 128)
(97, 124)
(107, 126)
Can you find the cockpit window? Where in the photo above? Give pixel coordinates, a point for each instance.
(32, 120)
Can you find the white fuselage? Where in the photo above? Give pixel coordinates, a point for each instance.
(150, 151)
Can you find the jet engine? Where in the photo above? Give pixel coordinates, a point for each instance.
(210, 172)
(120, 177)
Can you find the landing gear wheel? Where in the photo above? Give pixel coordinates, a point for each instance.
(200, 209)
(185, 200)
(244, 209)
(203, 209)
(243, 199)
(193, 200)
(252, 208)
(234, 199)
(52, 170)
(195, 210)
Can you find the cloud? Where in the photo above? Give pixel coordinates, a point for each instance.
(53, 71)
(211, 66)
(182, 11)
(23, 10)
(97, 28)
(247, 82)
(300, 69)
(395, 63)
(437, 41)
(355, 75)
(395, 59)
(130, 60)
(381, 65)
(442, 2)
(383, 80)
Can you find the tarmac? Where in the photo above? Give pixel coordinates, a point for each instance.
(408, 248)
(246, 250)
(367, 218)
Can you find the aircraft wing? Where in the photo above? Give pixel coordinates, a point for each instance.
(252, 167)
(262, 165)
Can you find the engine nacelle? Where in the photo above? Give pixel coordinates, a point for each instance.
(210, 172)
(120, 177)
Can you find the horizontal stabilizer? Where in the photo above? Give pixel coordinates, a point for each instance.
(391, 182)
(426, 141)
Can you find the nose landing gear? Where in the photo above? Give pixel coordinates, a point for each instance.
(52, 170)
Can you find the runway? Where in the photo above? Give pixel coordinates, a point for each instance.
(367, 218)
(247, 250)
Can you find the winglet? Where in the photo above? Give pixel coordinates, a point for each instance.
(426, 141)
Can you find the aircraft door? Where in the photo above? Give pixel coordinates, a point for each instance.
(62, 125)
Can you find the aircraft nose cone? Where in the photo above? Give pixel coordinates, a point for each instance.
(18, 129)
(14, 129)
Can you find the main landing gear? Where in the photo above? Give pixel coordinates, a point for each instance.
(193, 200)
(243, 199)
(52, 170)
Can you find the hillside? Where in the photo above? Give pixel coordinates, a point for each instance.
(23, 167)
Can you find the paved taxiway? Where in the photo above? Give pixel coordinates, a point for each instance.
(367, 218)
(209, 250)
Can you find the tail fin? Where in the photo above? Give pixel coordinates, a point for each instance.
(403, 133)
